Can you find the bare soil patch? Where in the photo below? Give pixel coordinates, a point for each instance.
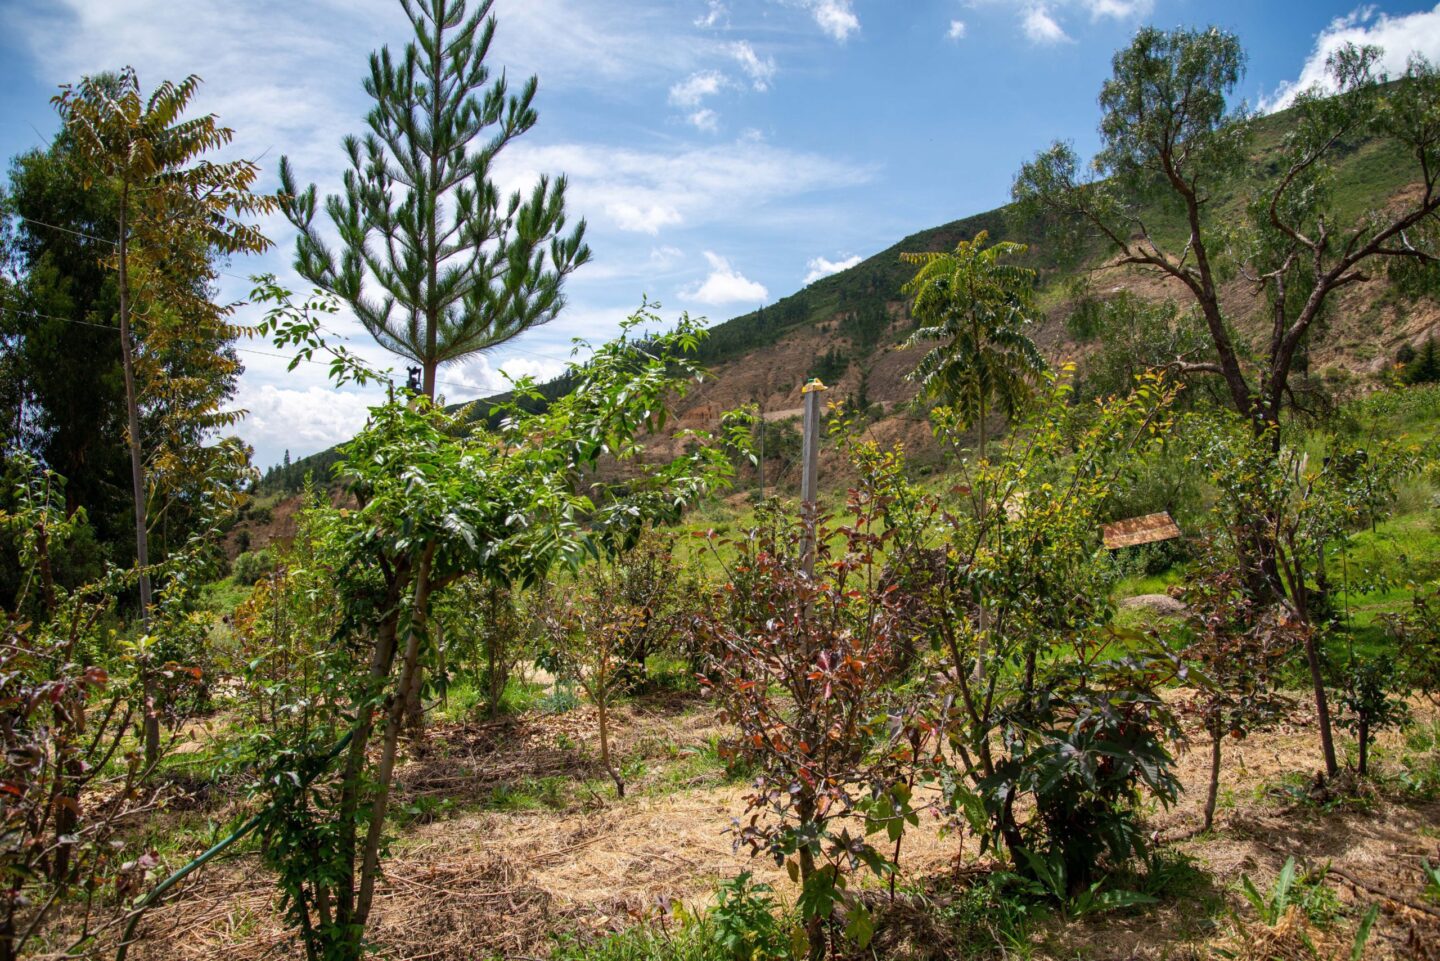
(477, 882)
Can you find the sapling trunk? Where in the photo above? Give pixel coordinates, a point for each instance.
(602, 709)
(1364, 735)
(1322, 705)
(414, 706)
(353, 783)
(814, 927)
(983, 637)
(1216, 738)
(370, 861)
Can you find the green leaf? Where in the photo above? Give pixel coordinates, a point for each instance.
(860, 927)
(1362, 936)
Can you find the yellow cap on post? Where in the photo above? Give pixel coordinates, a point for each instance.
(813, 384)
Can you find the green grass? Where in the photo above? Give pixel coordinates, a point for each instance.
(1137, 584)
(224, 595)
(532, 794)
(679, 942)
(465, 699)
(1413, 768)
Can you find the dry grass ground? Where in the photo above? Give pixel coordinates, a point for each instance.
(523, 838)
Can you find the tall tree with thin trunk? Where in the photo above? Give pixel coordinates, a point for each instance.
(974, 307)
(433, 261)
(173, 206)
(1172, 141)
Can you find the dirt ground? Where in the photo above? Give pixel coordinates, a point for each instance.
(472, 879)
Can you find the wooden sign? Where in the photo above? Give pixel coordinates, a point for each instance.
(1135, 531)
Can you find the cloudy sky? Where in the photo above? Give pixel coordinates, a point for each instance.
(724, 152)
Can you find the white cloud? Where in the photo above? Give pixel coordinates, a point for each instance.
(1119, 9)
(820, 267)
(660, 260)
(706, 120)
(836, 18)
(300, 421)
(1042, 21)
(957, 30)
(1399, 37)
(696, 87)
(725, 285)
(1042, 28)
(760, 71)
(646, 191)
(663, 258)
(714, 15)
(643, 218)
(483, 377)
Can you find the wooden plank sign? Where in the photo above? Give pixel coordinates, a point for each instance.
(1135, 531)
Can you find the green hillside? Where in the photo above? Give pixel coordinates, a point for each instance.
(1367, 176)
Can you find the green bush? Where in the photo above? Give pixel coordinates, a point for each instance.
(743, 926)
(1418, 766)
(250, 566)
(743, 922)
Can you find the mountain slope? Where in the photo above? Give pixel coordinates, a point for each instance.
(846, 328)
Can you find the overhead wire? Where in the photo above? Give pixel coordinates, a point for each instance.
(224, 273)
(242, 350)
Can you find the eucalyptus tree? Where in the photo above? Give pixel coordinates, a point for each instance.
(432, 259)
(175, 210)
(1174, 147)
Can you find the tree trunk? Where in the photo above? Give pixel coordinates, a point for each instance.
(1010, 833)
(982, 642)
(150, 716)
(1216, 738)
(496, 674)
(394, 718)
(352, 789)
(414, 707)
(1322, 705)
(814, 927)
(600, 707)
(1364, 735)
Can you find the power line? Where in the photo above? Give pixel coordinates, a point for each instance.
(248, 280)
(67, 230)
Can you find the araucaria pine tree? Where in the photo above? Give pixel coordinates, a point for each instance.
(451, 268)
(432, 260)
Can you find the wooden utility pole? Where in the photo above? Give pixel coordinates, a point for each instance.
(810, 471)
(761, 463)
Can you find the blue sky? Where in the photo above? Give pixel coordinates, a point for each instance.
(724, 152)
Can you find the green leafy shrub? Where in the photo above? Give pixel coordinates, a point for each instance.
(800, 665)
(744, 924)
(250, 566)
(1370, 701)
(1048, 759)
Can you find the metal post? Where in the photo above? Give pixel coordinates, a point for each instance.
(810, 471)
